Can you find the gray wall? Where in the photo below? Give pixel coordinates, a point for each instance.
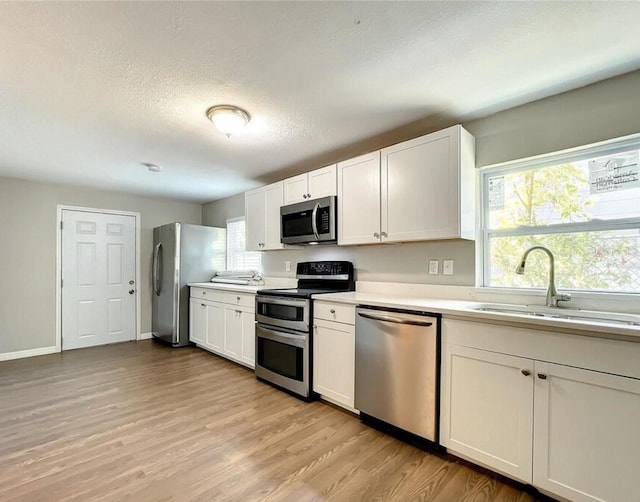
(28, 253)
(597, 112)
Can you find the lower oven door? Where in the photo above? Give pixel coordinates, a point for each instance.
(282, 358)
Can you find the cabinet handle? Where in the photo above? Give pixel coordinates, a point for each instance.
(202, 305)
(238, 298)
(308, 196)
(333, 311)
(204, 293)
(525, 372)
(542, 376)
(384, 234)
(304, 195)
(376, 235)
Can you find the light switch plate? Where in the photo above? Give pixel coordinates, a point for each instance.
(447, 267)
(433, 267)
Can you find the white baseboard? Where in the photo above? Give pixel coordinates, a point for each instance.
(145, 336)
(28, 353)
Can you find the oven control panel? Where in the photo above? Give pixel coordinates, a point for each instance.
(325, 268)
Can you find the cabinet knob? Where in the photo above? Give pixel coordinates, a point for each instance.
(384, 234)
(333, 311)
(525, 372)
(304, 195)
(238, 298)
(204, 292)
(376, 235)
(238, 311)
(542, 376)
(203, 305)
(308, 196)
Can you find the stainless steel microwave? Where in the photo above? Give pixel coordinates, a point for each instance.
(309, 222)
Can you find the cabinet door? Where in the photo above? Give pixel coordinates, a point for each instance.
(271, 211)
(487, 409)
(296, 189)
(334, 361)
(215, 326)
(323, 182)
(254, 204)
(233, 332)
(248, 338)
(420, 188)
(197, 321)
(359, 200)
(586, 434)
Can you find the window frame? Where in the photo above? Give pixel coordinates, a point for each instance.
(236, 220)
(484, 235)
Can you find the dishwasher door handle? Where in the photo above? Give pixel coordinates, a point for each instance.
(397, 320)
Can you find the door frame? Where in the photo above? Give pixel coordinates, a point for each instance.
(62, 207)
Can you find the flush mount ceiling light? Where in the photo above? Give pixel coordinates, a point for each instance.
(228, 119)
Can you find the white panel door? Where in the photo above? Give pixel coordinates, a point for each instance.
(273, 197)
(334, 347)
(323, 182)
(359, 200)
(420, 188)
(197, 321)
(233, 332)
(248, 338)
(254, 203)
(98, 274)
(488, 408)
(296, 189)
(587, 443)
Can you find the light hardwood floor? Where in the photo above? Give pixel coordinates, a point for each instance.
(142, 422)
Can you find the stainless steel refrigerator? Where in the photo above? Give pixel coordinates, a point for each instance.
(181, 254)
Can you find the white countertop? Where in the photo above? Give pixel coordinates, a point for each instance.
(238, 288)
(269, 283)
(468, 310)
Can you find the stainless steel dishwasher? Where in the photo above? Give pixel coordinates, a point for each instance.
(397, 369)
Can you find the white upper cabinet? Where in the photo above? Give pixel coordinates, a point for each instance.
(425, 189)
(262, 215)
(313, 185)
(359, 200)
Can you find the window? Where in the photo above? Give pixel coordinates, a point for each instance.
(583, 204)
(238, 258)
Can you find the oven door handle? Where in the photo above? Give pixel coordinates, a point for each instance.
(280, 300)
(282, 337)
(314, 222)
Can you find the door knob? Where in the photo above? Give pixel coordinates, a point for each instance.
(131, 291)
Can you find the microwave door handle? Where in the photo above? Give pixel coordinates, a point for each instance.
(314, 222)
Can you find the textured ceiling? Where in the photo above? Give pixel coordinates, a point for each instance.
(89, 91)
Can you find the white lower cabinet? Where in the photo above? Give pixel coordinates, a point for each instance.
(225, 327)
(571, 432)
(490, 415)
(334, 353)
(586, 440)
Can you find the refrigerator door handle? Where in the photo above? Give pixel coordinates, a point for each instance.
(156, 269)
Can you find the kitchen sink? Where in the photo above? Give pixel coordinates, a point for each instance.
(568, 314)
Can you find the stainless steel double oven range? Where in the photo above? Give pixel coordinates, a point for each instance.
(284, 330)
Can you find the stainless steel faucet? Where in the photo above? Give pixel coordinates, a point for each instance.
(553, 297)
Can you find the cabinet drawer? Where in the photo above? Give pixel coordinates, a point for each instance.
(231, 297)
(334, 312)
(239, 299)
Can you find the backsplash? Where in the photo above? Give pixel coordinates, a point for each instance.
(405, 263)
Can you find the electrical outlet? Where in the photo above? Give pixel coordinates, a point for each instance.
(447, 267)
(287, 266)
(433, 267)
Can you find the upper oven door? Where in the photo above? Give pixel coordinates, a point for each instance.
(283, 312)
(309, 221)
